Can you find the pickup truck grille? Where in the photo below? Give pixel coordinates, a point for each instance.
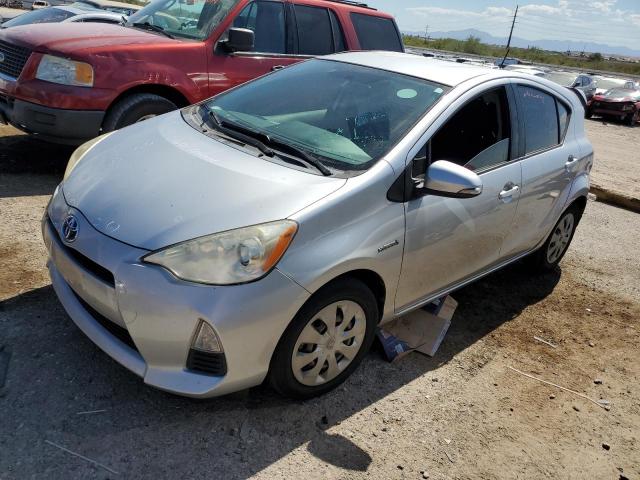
(13, 59)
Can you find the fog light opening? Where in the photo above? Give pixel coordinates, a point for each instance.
(206, 339)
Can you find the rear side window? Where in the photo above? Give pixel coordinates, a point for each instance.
(563, 117)
(540, 119)
(376, 33)
(315, 35)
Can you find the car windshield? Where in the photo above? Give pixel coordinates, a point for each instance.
(622, 92)
(561, 78)
(609, 83)
(47, 15)
(346, 115)
(193, 19)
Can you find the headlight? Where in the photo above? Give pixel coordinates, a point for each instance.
(626, 108)
(80, 152)
(227, 258)
(66, 72)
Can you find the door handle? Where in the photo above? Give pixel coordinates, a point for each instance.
(509, 191)
(277, 67)
(571, 161)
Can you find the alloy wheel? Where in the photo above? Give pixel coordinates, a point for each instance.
(328, 343)
(560, 238)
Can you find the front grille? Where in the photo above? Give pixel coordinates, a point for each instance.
(609, 106)
(14, 59)
(206, 362)
(97, 270)
(114, 329)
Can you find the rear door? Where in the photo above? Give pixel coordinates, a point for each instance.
(272, 24)
(549, 157)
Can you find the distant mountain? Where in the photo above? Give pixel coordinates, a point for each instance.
(553, 45)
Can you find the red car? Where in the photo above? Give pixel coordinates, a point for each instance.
(67, 83)
(621, 103)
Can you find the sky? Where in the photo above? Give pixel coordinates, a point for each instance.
(612, 22)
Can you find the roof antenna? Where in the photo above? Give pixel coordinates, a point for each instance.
(510, 35)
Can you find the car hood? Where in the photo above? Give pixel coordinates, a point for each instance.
(621, 98)
(73, 37)
(161, 182)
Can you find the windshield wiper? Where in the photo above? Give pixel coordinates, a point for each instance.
(152, 28)
(264, 139)
(231, 130)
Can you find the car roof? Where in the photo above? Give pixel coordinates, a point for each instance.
(433, 69)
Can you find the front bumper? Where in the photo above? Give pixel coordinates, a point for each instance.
(160, 312)
(58, 125)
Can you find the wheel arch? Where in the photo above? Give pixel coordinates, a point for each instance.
(371, 279)
(170, 93)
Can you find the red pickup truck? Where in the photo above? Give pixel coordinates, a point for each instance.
(69, 82)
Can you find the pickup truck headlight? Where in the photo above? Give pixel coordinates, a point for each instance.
(627, 108)
(81, 151)
(228, 258)
(64, 71)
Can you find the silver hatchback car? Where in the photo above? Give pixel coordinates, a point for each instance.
(266, 232)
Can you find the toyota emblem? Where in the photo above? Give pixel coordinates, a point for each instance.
(70, 228)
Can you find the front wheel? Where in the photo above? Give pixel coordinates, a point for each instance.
(326, 341)
(633, 118)
(549, 255)
(136, 108)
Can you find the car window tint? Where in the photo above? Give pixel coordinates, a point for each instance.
(376, 33)
(563, 117)
(338, 34)
(315, 36)
(478, 135)
(266, 19)
(540, 118)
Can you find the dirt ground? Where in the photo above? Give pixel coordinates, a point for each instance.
(462, 414)
(617, 163)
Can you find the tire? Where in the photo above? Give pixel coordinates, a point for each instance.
(326, 305)
(134, 108)
(547, 257)
(633, 118)
(588, 113)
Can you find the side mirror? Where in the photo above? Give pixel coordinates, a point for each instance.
(240, 40)
(447, 179)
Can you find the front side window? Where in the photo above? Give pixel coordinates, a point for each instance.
(540, 118)
(194, 19)
(478, 136)
(325, 108)
(267, 21)
(376, 33)
(315, 36)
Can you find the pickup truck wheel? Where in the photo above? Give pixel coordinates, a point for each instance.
(547, 257)
(633, 118)
(326, 341)
(136, 108)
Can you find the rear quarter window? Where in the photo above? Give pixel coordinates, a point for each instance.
(376, 33)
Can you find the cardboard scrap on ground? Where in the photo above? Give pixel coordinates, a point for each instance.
(421, 330)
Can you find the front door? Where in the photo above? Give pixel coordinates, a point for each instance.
(448, 240)
(271, 22)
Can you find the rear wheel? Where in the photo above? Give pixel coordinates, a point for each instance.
(326, 341)
(549, 255)
(136, 108)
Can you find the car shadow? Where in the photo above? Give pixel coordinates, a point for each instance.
(29, 166)
(146, 433)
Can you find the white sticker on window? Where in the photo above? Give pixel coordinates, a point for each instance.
(407, 93)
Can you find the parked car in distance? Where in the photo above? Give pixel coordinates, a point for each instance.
(585, 83)
(265, 233)
(69, 83)
(64, 14)
(620, 103)
(503, 62)
(38, 4)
